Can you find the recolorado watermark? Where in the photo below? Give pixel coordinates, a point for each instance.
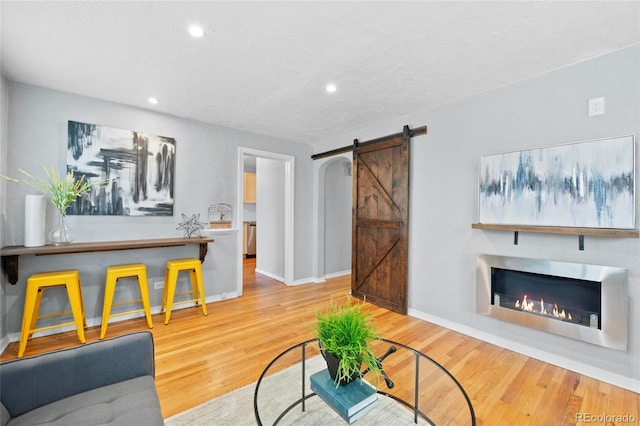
(606, 418)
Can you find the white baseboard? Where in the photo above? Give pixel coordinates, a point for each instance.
(270, 275)
(560, 361)
(93, 322)
(338, 274)
(301, 281)
(4, 342)
(304, 281)
(318, 280)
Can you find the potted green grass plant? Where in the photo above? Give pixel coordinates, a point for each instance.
(61, 192)
(344, 332)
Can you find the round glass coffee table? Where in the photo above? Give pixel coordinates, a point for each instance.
(414, 389)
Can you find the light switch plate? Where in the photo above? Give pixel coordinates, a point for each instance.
(596, 106)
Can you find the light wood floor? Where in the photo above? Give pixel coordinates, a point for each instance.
(199, 358)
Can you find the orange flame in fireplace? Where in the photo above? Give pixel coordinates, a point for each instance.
(540, 308)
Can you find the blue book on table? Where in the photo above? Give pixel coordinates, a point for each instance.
(347, 400)
(362, 412)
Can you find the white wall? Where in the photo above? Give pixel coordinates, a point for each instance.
(206, 172)
(270, 179)
(545, 110)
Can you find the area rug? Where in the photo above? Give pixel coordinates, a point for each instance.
(276, 394)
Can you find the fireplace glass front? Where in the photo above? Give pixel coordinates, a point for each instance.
(561, 298)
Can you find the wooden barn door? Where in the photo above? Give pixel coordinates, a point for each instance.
(381, 221)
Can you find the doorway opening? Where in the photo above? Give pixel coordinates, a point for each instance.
(332, 255)
(278, 184)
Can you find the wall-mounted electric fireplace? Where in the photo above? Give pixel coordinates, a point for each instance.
(584, 302)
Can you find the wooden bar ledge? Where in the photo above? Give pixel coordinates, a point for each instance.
(10, 254)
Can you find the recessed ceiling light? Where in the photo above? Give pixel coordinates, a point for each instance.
(153, 101)
(331, 88)
(196, 31)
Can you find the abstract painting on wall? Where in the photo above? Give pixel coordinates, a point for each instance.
(139, 170)
(587, 184)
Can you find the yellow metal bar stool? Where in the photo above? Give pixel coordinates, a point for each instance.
(114, 273)
(174, 267)
(36, 284)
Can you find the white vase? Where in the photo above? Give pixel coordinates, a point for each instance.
(34, 220)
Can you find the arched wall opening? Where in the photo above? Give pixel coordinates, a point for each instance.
(333, 217)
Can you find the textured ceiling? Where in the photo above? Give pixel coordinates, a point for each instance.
(263, 66)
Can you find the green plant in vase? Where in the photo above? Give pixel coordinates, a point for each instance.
(61, 192)
(344, 332)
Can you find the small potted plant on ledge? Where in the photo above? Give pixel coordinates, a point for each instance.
(343, 332)
(61, 192)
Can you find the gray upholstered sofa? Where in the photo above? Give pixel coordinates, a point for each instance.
(109, 382)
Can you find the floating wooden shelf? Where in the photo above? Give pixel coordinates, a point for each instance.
(580, 232)
(595, 232)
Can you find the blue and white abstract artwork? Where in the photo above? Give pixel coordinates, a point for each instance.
(139, 169)
(588, 184)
